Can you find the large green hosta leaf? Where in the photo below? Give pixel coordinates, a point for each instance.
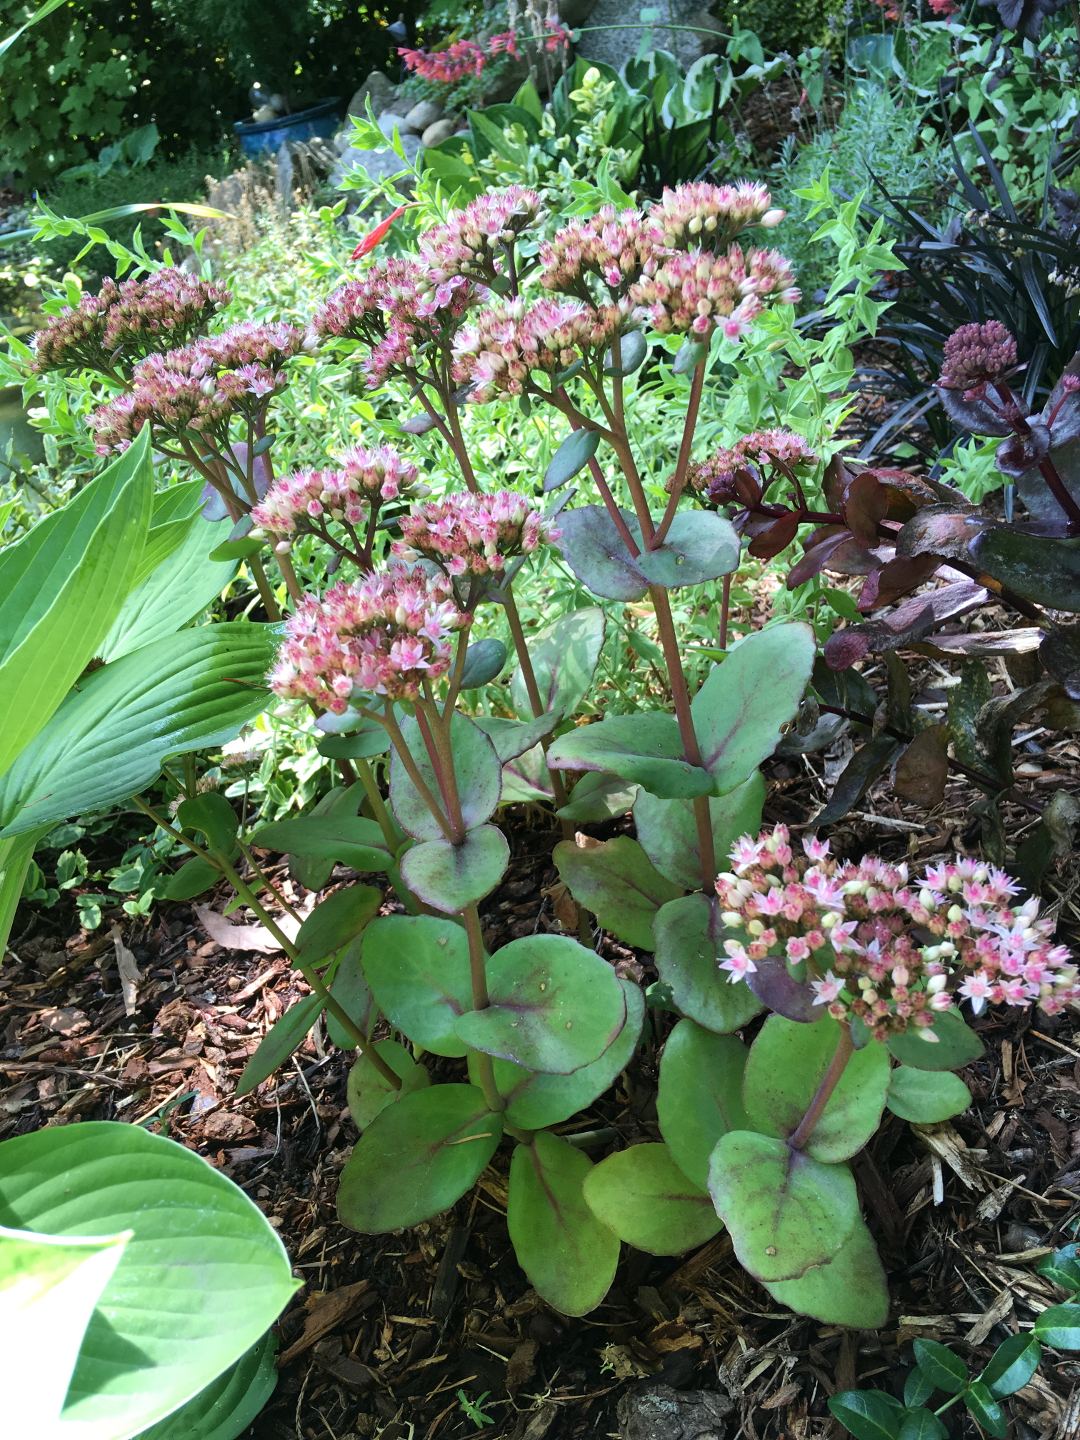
(199, 1282)
(228, 1405)
(62, 586)
(109, 737)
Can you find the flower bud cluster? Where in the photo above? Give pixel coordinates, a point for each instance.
(704, 216)
(507, 341)
(693, 292)
(124, 323)
(470, 242)
(364, 479)
(473, 534)
(888, 951)
(383, 635)
(617, 246)
(977, 354)
(200, 386)
(715, 476)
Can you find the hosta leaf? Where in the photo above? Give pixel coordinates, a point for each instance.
(785, 1210)
(196, 1237)
(108, 739)
(700, 1096)
(643, 1196)
(645, 748)
(451, 877)
(418, 969)
(787, 1063)
(555, 1006)
(618, 882)
(689, 946)
(850, 1289)
(567, 1253)
(417, 1157)
(229, 1404)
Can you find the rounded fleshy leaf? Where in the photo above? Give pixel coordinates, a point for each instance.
(450, 877)
(699, 546)
(555, 1006)
(667, 829)
(476, 767)
(416, 1158)
(369, 1092)
(618, 882)
(564, 658)
(953, 1044)
(568, 1255)
(689, 947)
(597, 553)
(850, 1289)
(645, 748)
(573, 455)
(785, 1210)
(787, 1063)
(483, 661)
(352, 992)
(418, 970)
(926, 1096)
(700, 1095)
(644, 1197)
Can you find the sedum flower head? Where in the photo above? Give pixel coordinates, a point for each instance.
(715, 476)
(364, 479)
(508, 341)
(382, 635)
(470, 242)
(700, 215)
(124, 323)
(694, 292)
(618, 247)
(887, 950)
(976, 354)
(473, 534)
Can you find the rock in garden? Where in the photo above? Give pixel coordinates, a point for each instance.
(616, 46)
(388, 123)
(657, 1412)
(400, 107)
(423, 114)
(437, 133)
(380, 91)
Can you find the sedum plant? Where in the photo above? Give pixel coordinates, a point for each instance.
(857, 970)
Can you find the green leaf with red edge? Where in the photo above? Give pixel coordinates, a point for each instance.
(564, 657)
(689, 946)
(568, 1255)
(418, 969)
(554, 1006)
(416, 1158)
(785, 1210)
(645, 748)
(643, 1196)
(369, 1092)
(850, 1289)
(595, 551)
(476, 767)
(700, 1096)
(451, 877)
(617, 881)
(667, 829)
(700, 545)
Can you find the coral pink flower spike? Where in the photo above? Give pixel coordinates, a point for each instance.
(886, 950)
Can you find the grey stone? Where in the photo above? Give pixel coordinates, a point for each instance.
(423, 115)
(437, 133)
(657, 1412)
(615, 47)
(400, 107)
(388, 123)
(379, 88)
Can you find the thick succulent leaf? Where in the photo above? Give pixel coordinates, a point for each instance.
(1040, 568)
(107, 740)
(745, 700)
(196, 1235)
(418, 970)
(643, 1196)
(525, 779)
(645, 748)
(926, 1096)
(597, 553)
(915, 618)
(227, 1406)
(597, 797)
(785, 1210)
(336, 921)
(178, 590)
(450, 877)
(778, 990)
(476, 767)
(63, 585)
(350, 839)
(352, 992)
(617, 881)
(667, 831)
(483, 662)
(535, 1101)
(568, 1255)
(850, 1289)
(700, 1096)
(573, 455)
(369, 1092)
(284, 1036)
(689, 946)
(564, 658)
(977, 417)
(555, 1006)
(953, 1045)
(365, 739)
(787, 1064)
(416, 1157)
(512, 738)
(700, 545)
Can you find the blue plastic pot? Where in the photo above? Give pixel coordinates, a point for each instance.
(265, 137)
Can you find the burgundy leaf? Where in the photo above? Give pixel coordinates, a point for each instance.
(978, 417)
(815, 559)
(940, 530)
(912, 620)
(896, 578)
(1060, 653)
(844, 647)
(775, 988)
(851, 558)
(1020, 453)
(777, 537)
(865, 506)
(923, 768)
(747, 488)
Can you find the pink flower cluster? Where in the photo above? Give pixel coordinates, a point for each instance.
(976, 354)
(695, 291)
(468, 244)
(383, 635)
(123, 323)
(863, 930)
(616, 245)
(201, 385)
(699, 215)
(507, 341)
(394, 307)
(308, 498)
(473, 534)
(716, 474)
